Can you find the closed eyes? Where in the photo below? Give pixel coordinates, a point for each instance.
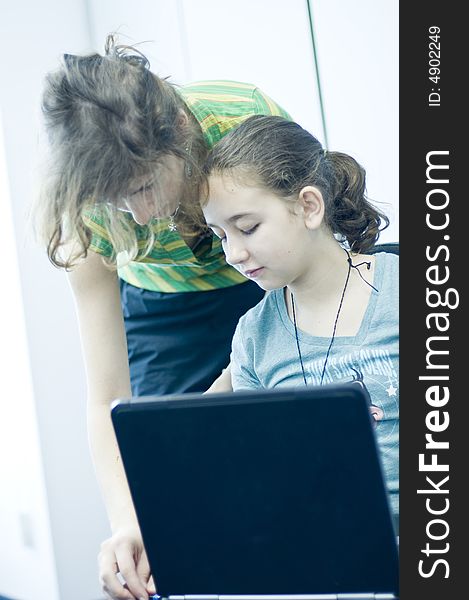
(144, 188)
(249, 231)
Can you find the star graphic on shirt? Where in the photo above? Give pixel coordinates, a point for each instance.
(391, 390)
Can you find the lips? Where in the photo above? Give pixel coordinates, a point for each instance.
(253, 273)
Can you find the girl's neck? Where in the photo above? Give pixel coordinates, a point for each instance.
(318, 294)
(326, 276)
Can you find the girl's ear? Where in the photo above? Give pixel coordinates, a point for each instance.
(182, 119)
(311, 202)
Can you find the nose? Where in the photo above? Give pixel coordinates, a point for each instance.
(142, 212)
(235, 252)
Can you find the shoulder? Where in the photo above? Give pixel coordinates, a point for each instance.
(387, 282)
(210, 89)
(238, 97)
(221, 105)
(387, 270)
(388, 257)
(389, 262)
(253, 329)
(258, 318)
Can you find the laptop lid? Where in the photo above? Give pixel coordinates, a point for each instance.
(267, 492)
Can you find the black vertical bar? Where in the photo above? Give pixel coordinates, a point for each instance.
(433, 340)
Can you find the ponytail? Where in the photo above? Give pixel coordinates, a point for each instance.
(350, 213)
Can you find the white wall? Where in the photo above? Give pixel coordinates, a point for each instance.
(48, 485)
(24, 515)
(261, 42)
(358, 54)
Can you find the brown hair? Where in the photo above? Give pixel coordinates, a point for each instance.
(284, 158)
(109, 121)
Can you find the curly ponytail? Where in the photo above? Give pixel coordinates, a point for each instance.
(350, 213)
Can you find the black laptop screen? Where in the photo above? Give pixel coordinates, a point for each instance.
(281, 494)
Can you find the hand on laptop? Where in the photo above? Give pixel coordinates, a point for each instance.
(123, 567)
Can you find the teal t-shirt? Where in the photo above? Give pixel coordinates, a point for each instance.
(264, 354)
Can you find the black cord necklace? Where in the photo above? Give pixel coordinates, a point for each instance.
(350, 267)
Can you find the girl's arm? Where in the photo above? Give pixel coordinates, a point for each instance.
(97, 298)
(222, 383)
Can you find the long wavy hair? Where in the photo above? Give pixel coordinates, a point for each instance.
(109, 121)
(284, 158)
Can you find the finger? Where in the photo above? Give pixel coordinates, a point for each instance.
(128, 570)
(143, 570)
(151, 587)
(111, 583)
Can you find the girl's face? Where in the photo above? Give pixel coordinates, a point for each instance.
(264, 236)
(158, 195)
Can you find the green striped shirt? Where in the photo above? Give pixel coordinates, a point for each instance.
(171, 265)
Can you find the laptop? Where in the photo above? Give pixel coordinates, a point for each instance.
(266, 495)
